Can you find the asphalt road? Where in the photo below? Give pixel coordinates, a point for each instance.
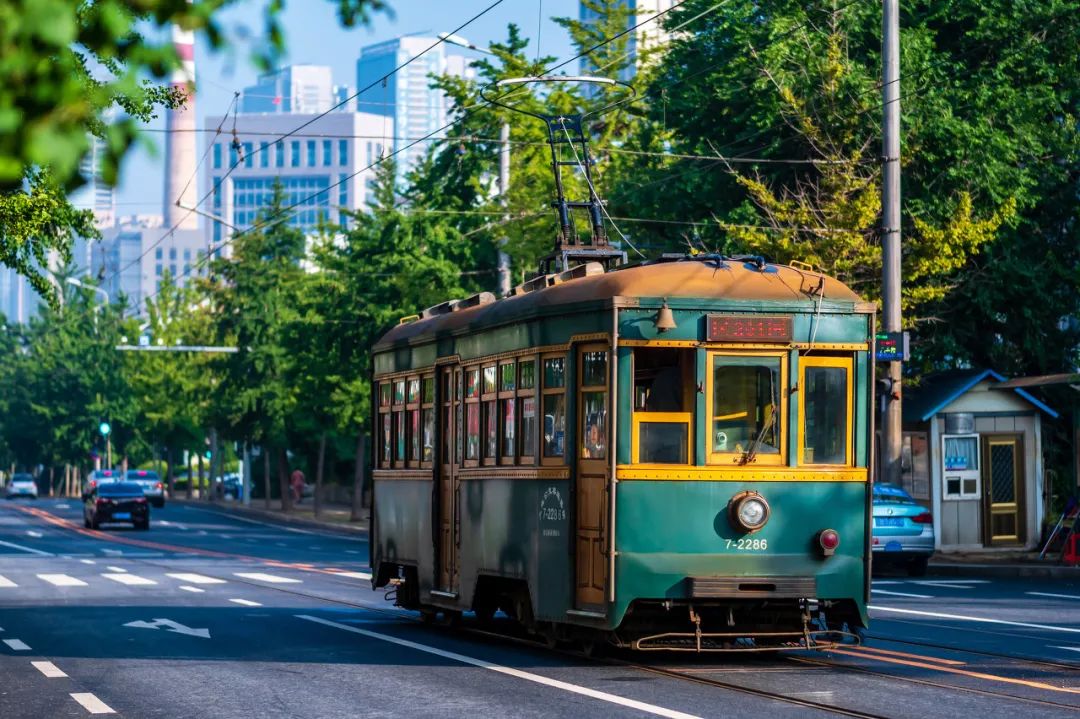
(214, 615)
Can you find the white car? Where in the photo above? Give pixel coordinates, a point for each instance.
(22, 485)
(151, 484)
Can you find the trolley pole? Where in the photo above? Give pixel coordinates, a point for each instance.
(504, 197)
(891, 430)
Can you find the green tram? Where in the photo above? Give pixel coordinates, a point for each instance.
(674, 454)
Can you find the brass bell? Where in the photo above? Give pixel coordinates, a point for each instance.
(665, 318)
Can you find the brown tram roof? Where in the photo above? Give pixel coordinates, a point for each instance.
(708, 280)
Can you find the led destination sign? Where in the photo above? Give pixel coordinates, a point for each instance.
(748, 328)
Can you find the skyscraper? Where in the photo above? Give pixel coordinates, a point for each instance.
(406, 99)
(649, 36)
(297, 89)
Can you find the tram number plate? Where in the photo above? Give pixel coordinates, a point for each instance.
(889, 521)
(748, 545)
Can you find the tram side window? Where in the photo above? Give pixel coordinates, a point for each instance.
(526, 409)
(413, 410)
(746, 408)
(386, 444)
(554, 406)
(472, 415)
(490, 416)
(427, 419)
(663, 405)
(507, 412)
(825, 404)
(399, 422)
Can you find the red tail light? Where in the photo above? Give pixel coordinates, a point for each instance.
(158, 485)
(140, 500)
(103, 500)
(924, 518)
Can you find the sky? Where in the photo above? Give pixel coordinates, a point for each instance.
(314, 35)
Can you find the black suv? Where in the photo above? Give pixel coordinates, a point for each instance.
(116, 502)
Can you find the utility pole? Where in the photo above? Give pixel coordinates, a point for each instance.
(891, 430)
(504, 198)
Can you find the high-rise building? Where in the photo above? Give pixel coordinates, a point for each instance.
(650, 35)
(407, 98)
(296, 89)
(323, 168)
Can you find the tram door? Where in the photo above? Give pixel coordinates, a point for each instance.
(593, 463)
(450, 454)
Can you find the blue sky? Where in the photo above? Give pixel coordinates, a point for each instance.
(313, 35)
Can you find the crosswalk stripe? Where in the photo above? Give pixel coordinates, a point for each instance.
(245, 602)
(271, 578)
(17, 645)
(49, 669)
(61, 580)
(5, 582)
(91, 703)
(130, 579)
(119, 570)
(196, 578)
(186, 588)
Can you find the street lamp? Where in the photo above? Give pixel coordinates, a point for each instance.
(82, 285)
(504, 167)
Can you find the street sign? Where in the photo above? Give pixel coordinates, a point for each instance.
(891, 347)
(104, 428)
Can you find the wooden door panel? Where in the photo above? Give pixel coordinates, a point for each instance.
(591, 479)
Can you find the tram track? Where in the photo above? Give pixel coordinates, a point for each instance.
(1072, 666)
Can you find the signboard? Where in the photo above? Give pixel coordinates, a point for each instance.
(891, 347)
(748, 328)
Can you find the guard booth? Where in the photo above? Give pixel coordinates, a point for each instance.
(973, 452)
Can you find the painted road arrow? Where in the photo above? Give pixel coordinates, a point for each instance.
(171, 626)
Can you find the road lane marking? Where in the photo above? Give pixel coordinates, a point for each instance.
(88, 561)
(191, 589)
(271, 578)
(508, 671)
(61, 580)
(17, 645)
(30, 550)
(196, 578)
(112, 552)
(353, 575)
(893, 653)
(5, 582)
(1070, 649)
(245, 602)
(170, 626)
(132, 580)
(985, 620)
(901, 594)
(1055, 596)
(91, 703)
(961, 672)
(49, 669)
(63, 506)
(35, 535)
(121, 570)
(351, 551)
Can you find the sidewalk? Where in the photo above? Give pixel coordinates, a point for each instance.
(332, 516)
(1005, 564)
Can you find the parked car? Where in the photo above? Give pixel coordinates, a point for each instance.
(97, 476)
(903, 532)
(231, 486)
(151, 485)
(116, 502)
(22, 485)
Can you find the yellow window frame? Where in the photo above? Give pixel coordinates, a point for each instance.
(736, 458)
(848, 365)
(686, 418)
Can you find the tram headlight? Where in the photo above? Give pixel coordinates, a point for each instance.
(748, 511)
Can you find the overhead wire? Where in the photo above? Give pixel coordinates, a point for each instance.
(268, 220)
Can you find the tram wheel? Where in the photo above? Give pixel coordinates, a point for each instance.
(428, 615)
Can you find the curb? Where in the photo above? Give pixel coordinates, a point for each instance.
(276, 517)
(1006, 571)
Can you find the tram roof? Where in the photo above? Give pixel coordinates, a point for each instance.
(673, 281)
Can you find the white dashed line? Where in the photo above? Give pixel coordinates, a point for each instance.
(901, 594)
(5, 582)
(245, 602)
(509, 671)
(29, 550)
(353, 575)
(91, 703)
(35, 535)
(112, 552)
(88, 561)
(351, 551)
(17, 645)
(1069, 649)
(49, 669)
(131, 580)
(985, 620)
(271, 578)
(61, 580)
(196, 578)
(1045, 594)
(191, 589)
(121, 570)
